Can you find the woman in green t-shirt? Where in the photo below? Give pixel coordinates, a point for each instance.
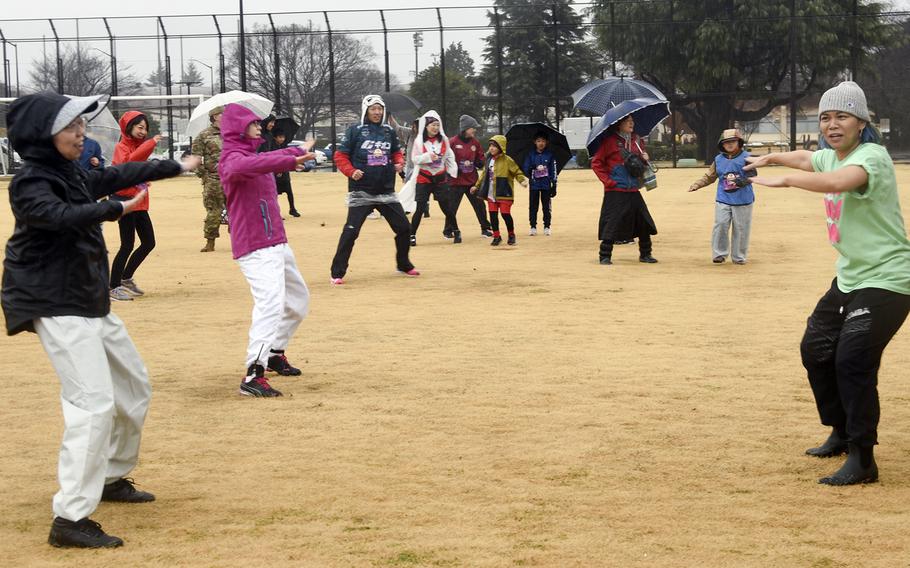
(870, 297)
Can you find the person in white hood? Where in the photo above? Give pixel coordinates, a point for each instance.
(433, 161)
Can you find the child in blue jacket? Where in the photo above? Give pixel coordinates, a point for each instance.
(540, 167)
(734, 198)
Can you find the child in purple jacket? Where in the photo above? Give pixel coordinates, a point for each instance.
(259, 244)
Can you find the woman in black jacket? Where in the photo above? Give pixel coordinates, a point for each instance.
(55, 283)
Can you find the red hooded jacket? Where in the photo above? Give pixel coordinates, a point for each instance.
(131, 149)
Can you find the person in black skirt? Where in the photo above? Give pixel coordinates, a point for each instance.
(620, 163)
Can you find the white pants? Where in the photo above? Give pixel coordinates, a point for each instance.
(105, 391)
(280, 300)
(740, 216)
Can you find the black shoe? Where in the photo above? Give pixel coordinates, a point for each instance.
(255, 383)
(124, 491)
(606, 260)
(279, 364)
(457, 237)
(84, 533)
(294, 213)
(835, 445)
(648, 259)
(426, 214)
(860, 467)
(496, 241)
(447, 233)
(511, 240)
(413, 240)
(486, 233)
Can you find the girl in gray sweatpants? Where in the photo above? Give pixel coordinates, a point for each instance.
(733, 204)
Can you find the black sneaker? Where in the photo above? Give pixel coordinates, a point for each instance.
(647, 259)
(294, 213)
(447, 233)
(413, 240)
(606, 260)
(457, 237)
(84, 533)
(255, 383)
(511, 240)
(486, 233)
(124, 491)
(279, 364)
(496, 241)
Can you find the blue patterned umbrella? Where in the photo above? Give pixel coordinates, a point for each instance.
(647, 113)
(597, 97)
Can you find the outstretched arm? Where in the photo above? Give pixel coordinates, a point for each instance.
(842, 180)
(105, 181)
(798, 160)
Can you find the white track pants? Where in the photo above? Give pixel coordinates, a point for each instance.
(280, 300)
(105, 391)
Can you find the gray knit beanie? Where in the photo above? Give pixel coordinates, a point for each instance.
(846, 97)
(465, 122)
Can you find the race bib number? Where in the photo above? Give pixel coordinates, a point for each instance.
(541, 172)
(466, 167)
(436, 164)
(377, 158)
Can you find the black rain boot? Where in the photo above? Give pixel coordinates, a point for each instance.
(859, 468)
(457, 237)
(835, 445)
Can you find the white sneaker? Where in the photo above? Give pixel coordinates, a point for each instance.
(546, 231)
(130, 286)
(120, 294)
(533, 231)
(374, 215)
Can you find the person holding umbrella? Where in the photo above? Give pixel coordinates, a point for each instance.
(620, 162)
(542, 152)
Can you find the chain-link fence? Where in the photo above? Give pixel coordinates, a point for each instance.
(760, 66)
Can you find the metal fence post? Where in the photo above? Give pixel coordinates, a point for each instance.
(793, 102)
(442, 63)
(59, 60)
(277, 61)
(385, 48)
(498, 66)
(328, 26)
(113, 55)
(242, 51)
(556, 63)
(673, 131)
(220, 52)
(6, 75)
(168, 91)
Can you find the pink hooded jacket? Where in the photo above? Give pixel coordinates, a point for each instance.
(249, 186)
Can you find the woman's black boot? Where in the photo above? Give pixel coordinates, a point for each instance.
(859, 468)
(835, 445)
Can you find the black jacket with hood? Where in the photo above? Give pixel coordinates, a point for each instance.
(56, 262)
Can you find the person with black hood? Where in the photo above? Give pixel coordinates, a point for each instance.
(469, 157)
(268, 123)
(55, 284)
(371, 157)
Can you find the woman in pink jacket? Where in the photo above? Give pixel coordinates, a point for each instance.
(259, 244)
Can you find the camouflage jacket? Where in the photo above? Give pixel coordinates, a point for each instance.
(208, 146)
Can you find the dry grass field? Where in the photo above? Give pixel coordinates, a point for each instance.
(518, 406)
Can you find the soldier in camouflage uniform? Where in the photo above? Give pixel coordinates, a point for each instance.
(208, 146)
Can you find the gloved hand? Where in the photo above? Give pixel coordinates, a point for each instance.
(553, 190)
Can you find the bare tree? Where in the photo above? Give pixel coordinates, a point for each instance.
(304, 70)
(84, 73)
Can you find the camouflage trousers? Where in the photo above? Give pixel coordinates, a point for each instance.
(213, 200)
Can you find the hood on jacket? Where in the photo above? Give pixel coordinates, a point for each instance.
(234, 123)
(129, 119)
(369, 101)
(33, 120)
(422, 125)
(500, 141)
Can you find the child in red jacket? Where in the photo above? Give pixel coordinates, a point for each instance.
(134, 146)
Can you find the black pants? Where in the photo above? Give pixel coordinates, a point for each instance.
(544, 200)
(841, 351)
(422, 197)
(128, 260)
(394, 215)
(478, 204)
(644, 247)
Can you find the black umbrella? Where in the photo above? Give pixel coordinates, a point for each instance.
(403, 107)
(597, 97)
(287, 125)
(520, 141)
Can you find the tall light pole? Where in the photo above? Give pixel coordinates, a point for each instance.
(418, 43)
(211, 73)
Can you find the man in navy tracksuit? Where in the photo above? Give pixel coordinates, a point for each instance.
(540, 167)
(370, 156)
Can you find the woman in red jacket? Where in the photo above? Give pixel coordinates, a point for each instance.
(619, 163)
(134, 146)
